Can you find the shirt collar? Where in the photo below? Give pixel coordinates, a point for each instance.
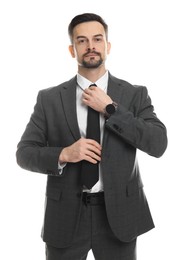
(101, 82)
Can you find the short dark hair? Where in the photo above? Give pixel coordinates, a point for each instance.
(86, 17)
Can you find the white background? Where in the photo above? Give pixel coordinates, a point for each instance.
(147, 48)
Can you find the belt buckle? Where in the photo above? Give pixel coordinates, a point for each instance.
(93, 199)
(87, 198)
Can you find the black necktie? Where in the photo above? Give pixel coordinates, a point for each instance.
(90, 171)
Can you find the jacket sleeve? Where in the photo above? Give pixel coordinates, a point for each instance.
(139, 125)
(33, 152)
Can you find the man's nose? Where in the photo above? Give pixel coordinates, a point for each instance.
(90, 46)
(90, 49)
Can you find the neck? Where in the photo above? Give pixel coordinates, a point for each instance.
(92, 74)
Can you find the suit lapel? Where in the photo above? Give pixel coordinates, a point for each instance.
(115, 89)
(68, 96)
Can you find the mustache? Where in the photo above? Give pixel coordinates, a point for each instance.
(93, 52)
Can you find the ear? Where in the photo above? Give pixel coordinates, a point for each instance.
(71, 50)
(108, 47)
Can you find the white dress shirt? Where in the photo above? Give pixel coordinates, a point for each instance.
(82, 84)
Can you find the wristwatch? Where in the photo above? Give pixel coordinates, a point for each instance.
(110, 109)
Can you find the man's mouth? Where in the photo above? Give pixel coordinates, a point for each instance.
(91, 54)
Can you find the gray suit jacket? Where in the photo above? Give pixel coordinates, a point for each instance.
(53, 125)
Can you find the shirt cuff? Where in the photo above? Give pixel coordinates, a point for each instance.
(61, 167)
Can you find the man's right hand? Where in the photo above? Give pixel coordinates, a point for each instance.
(83, 149)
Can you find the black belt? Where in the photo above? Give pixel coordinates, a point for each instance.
(93, 199)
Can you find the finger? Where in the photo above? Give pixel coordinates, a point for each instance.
(92, 158)
(89, 145)
(85, 97)
(93, 88)
(94, 144)
(87, 91)
(94, 154)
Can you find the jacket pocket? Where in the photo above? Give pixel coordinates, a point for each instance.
(133, 186)
(54, 194)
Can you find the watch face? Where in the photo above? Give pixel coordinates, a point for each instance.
(110, 109)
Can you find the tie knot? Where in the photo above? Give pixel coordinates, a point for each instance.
(93, 85)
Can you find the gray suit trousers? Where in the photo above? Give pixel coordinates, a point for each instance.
(94, 233)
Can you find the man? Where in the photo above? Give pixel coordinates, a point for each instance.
(108, 213)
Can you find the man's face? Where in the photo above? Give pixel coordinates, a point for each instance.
(90, 46)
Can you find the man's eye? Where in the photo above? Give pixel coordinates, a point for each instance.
(98, 39)
(81, 41)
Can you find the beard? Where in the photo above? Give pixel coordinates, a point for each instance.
(92, 63)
